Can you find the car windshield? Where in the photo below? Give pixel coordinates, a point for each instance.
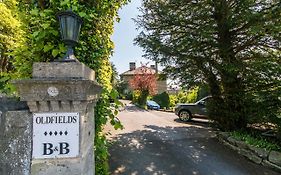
(203, 100)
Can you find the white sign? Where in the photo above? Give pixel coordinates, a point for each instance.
(55, 135)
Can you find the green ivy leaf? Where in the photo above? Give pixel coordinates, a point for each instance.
(118, 125)
(114, 94)
(45, 25)
(65, 2)
(62, 48)
(35, 34)
(55, 52)
(48, 47)
(115, 112)
(41, 35)
(82, 14)
(74, 8)
(54, 32)
(34, 12)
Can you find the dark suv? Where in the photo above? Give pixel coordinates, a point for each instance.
(187, 111)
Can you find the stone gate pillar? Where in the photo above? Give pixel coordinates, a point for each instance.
(61, 97)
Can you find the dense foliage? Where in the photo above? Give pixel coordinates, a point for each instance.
(190, 96)
(42, 42)
(162, 99)
(11, 33)
(233, 46)
(11, 38)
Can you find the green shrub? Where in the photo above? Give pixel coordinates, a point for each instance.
(192, 95)
(140, 97)
(136, 96)
(162, 99)
(256, 140)
(173, 100)
(182, 97)
(188, 97)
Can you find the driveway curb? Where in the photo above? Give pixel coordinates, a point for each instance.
(268, 158)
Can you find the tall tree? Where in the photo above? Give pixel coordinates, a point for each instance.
(212, 41)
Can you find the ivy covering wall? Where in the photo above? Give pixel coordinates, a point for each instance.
(36, 30)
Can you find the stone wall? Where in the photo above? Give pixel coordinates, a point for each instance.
(54, 91)
(261, 156)
(15, 134)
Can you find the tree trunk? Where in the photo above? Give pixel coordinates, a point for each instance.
(143, 97)
(233, 90)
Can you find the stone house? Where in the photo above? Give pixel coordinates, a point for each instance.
(161, 82)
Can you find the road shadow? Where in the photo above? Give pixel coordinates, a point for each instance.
(133, 108)
(176, 151)
(147, 152)
(194, 122)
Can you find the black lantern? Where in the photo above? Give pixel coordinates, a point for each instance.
(70, 25)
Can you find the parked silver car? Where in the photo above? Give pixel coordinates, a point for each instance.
(186, 111)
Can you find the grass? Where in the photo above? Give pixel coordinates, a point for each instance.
(256, 140)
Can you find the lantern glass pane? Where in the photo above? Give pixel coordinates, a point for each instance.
(75, 24)
(63, 26)
(70, 27)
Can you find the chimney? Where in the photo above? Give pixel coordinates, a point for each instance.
(132, 65)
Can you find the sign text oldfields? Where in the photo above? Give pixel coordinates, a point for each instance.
(55, 135)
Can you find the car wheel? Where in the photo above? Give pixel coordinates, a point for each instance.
(185, 116)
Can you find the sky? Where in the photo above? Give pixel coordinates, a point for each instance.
(123, 37)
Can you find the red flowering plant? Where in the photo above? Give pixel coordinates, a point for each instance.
(143, 82)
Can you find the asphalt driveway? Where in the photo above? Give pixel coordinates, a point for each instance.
(157, 143)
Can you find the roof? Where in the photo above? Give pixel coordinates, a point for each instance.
(140, 70)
